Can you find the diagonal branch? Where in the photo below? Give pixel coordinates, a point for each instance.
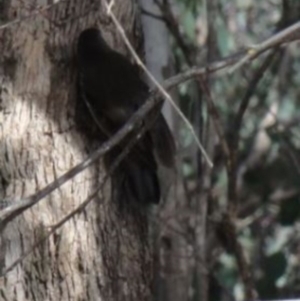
(160, 88)
(19, 206)
(80, 207)
(289, 34)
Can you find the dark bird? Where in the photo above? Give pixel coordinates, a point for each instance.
(112, 90)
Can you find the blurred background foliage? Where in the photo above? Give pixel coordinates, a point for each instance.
(268, 161)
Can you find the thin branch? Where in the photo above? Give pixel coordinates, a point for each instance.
(216, 120)
(227, 230)
(173, 27)
(289, 34)
(160, 88)
(19, 206)
(80, 207)
(259, 73)
(236, 127)
(54, 228)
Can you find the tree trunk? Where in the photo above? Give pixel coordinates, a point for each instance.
(98, 254)
(172, 273)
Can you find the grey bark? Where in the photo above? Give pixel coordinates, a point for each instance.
(157, 49)
(172, 273)
(98, 255)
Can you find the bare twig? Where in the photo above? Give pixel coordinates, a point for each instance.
(259, 73)
(173, 27)
(227, 230)
(216, 120)
(289, 34)
(160, 88)
(19, 206)
(80, 207)
(53, 229)
(236, 126)
(237, 249)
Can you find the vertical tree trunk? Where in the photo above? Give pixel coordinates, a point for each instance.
(172, 274)
(97, 255)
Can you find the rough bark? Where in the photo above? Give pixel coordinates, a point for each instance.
(98, 255)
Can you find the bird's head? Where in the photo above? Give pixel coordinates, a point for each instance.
(91, 43)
